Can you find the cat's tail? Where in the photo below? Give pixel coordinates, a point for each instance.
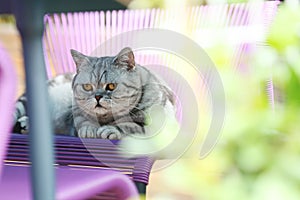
(20, 117)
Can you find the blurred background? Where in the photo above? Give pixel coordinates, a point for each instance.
(258, 153)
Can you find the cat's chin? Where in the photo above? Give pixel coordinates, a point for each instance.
(100, 111)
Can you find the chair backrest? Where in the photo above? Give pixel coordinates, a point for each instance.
(7, 100)
(242, 25)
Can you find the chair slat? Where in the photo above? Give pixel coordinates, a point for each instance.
(84, 153)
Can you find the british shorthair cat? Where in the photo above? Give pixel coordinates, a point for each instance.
(108, 97)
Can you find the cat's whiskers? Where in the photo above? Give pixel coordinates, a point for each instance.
(130, 111)
(85, 107)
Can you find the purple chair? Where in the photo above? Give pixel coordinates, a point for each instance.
(71, 183)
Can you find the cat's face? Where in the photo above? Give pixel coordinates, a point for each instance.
(106, 86)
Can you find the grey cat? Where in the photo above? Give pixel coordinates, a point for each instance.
(108, 97)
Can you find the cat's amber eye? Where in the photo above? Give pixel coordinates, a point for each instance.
(87, 87)
(110, 86)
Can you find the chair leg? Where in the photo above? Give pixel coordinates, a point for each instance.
(141, 187)
(29, 16)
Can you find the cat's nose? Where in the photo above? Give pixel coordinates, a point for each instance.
(98, 97)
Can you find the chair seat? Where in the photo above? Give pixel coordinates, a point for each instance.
(77, 152)
(71, 184)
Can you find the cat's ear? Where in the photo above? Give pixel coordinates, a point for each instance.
(125, 58)
(80, 59)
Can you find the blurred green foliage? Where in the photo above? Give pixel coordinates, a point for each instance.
(261, 146)
(258, 155)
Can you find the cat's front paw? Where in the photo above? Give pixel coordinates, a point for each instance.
(87, 132)
(108, 132)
